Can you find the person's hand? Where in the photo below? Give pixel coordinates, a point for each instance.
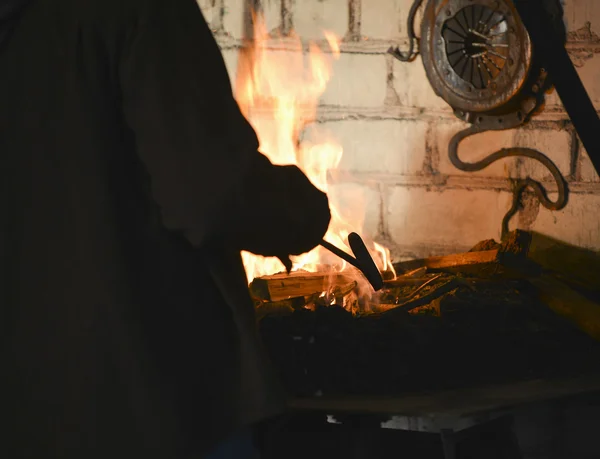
(289, 214)
(305, 210)
(286, 262)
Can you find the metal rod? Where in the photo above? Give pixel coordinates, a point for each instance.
(340, 253)
(362, 259)
(549, 44)
(479, 34)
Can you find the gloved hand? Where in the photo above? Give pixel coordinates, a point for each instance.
(305, 210)
(289, 215)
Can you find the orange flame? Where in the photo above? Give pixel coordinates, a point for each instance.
(278, 89)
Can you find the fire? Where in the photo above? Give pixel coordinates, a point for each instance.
(279, 85)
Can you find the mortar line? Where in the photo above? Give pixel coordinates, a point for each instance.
(432, 153)
(354, 20)
(219, 24)
(452, 182)
(383, 224)
(576, 157)
(353, 43)
(286, 17)
(250, 6)
(391, 95)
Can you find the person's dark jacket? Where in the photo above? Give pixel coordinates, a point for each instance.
(129, 183)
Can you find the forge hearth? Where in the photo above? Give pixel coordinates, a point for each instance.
(484, 317)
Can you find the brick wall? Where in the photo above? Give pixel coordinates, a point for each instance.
(395, 131)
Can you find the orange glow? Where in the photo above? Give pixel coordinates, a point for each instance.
(279, 85)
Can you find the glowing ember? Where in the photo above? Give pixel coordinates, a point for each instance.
(279, 84)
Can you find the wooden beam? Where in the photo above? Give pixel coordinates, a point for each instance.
(472, 262)
(575, 265)
(280, 287)
(444, 405)
(566, 302)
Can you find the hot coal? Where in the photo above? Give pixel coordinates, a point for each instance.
(498, 333)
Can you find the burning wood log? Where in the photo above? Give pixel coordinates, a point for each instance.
(415, 301)
(497, 332)
(283, 286)
(494, 314)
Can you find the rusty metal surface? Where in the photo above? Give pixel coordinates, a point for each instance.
(449, 31)
(523, 107)
(451, 34)
(520, 185)
(478, 57)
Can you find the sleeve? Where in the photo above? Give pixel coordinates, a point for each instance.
(201, 153)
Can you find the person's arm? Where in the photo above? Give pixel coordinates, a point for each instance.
(208, 177)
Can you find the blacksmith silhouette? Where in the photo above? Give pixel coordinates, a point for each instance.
(129, 183)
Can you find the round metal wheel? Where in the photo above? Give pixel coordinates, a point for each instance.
(477, 54)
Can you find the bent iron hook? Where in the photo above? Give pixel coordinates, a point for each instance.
(363, 261)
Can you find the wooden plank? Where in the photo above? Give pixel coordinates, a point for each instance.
(401, 281)
(297, 284)
(459, 403)
(476, 262)
(566, 302)
(529, 252)
(576, 265)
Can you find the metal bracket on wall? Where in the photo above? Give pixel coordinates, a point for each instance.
(478, 57)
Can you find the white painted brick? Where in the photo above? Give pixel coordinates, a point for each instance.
(555, 144)
(387, 19)
(312, 17)
(230, 56)
(210, 10)
(386, 146)
(413, 88)
(384, 18)
(553, 102)
(359, 205)
(578, 12)
(576, 224)
(586, 168)
(474, 149)
(233, 17)
(418, 216)
(588, 70)
(358, 80)
(271, 14)
(589, 76)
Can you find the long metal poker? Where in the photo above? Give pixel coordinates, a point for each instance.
(363, 261)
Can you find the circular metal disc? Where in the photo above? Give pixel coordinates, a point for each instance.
(476, 53)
